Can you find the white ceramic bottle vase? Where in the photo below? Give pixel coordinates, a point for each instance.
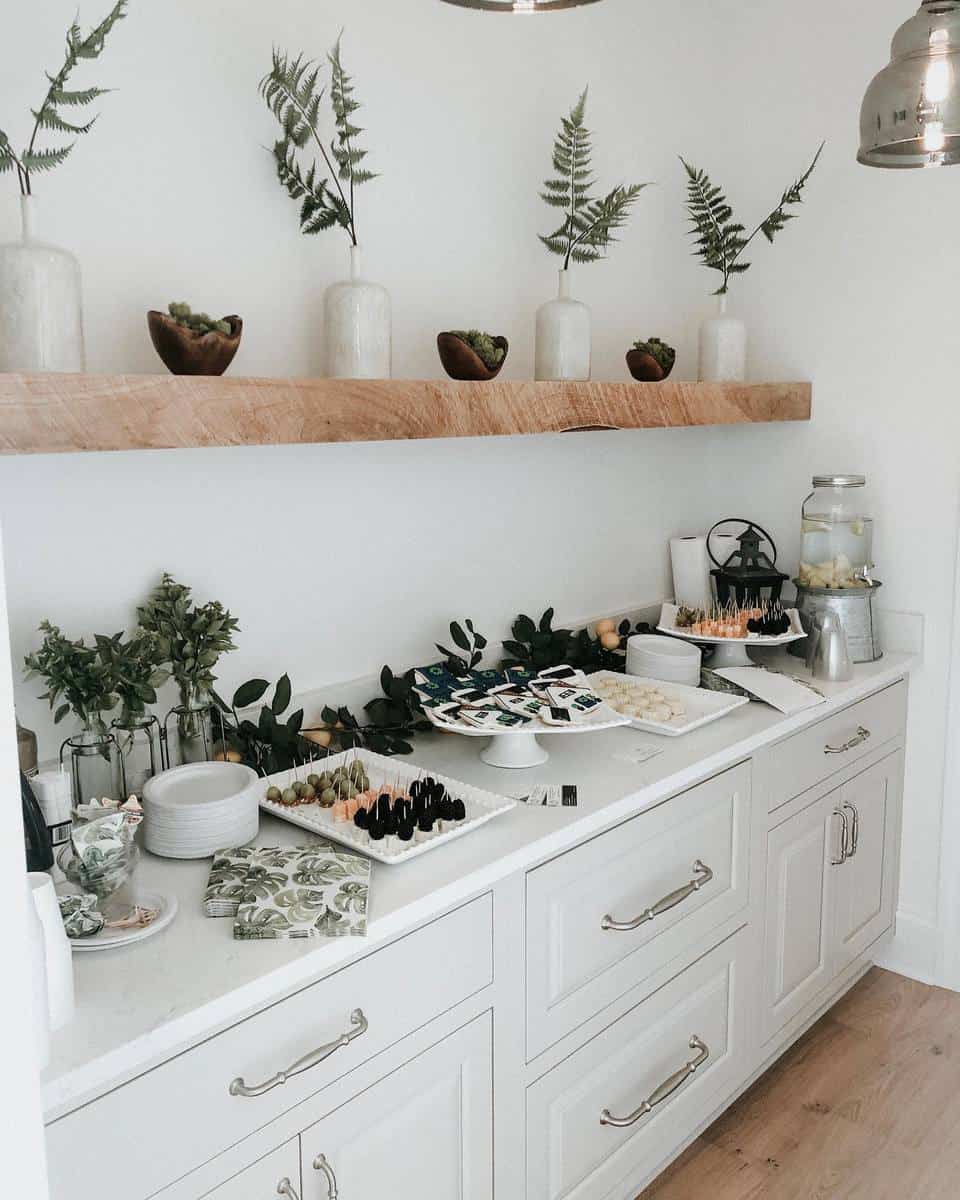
(723, 347)
(563, 336)
(57, 955)
(41, 323)
(37, 967)
(358, 327)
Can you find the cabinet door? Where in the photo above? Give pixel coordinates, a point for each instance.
(799, 909)
(276, 1175)
(866, 882)
(425, 1131)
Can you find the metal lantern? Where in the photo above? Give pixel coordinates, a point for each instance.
(911, 112)
(520, 6)
(748, 572)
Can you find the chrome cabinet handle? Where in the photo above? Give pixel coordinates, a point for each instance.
(320, 1164)
(286, 1188)
(239, 1088)
(854, 828)
(667, 1088)
(702, 875)
(862, 735)
(844, 830)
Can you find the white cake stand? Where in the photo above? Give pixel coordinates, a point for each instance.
(730, 652)
(517, 749)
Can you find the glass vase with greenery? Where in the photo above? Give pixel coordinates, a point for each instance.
(138, 673)
(190, 639)
(81, 681)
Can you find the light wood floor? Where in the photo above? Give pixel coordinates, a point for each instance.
(866, 1106)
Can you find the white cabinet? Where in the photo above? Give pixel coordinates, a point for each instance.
(830, 889)
(276, 1175)
(424, 1132)
(866, 881)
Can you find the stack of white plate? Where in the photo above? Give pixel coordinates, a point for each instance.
(197, 809)
(666, 658)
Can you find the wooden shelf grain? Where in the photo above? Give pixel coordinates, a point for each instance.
(55, 414)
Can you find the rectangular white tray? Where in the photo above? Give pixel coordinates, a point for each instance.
(668, 624)
(702, 706)
(481, 806)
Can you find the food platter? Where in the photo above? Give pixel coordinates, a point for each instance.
(730, 651)
(694, 707)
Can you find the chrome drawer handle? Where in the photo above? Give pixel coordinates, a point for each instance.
(286, 1188)
(666, 1089)
(844, 831)
(702, 875)
(862, 735)
(239, 1088)
(320, 1164)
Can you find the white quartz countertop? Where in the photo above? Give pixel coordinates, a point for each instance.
(138, 1006)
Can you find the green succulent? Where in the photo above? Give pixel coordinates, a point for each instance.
(483, 345)
(199, 323)
(664, 355)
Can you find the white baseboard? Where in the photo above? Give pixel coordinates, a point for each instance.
(913, 951)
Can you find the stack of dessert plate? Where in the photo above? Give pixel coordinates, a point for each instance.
(655, 657)
(197, 809)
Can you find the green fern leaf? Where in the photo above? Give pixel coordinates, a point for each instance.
(777, 220)
(49, 118)
(62, 98)
(345, 150)
(46, 159)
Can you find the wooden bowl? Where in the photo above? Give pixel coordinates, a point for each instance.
(185, 352)
(645, 368)
(461, 361)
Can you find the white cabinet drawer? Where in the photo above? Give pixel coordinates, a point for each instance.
(576, 963)
(698, 1018)
(804, 760)
(185, 1112)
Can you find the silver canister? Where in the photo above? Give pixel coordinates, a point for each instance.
(831, 657)
(854, 607)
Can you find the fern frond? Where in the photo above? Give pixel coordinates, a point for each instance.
(61, 97)
(46, 159)
(718, 240)
(345, 150)
(777, 220)
(570, 188)
(49, 118)
(601, 218)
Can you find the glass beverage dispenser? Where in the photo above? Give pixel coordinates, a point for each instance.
(836, 534)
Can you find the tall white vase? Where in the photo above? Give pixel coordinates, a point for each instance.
(357, 327)
(723, 347)
(56, 950)
(37, 967)
(563, 336)
(41, 322)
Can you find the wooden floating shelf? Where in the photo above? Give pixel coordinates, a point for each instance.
(55, 414)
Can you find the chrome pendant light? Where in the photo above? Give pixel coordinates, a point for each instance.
(520, 6)
(911, 112)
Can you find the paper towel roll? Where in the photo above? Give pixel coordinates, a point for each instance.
(691, 571)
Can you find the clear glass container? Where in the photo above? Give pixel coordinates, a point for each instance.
(188, 730)
(95, 765)
(836, 534)
(139, 742)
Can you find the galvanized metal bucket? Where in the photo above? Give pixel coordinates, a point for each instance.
(854, 607)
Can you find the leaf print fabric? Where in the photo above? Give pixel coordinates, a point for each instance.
(309, 891)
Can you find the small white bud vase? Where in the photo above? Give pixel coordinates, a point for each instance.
(41, 323)
(357, 327)
(723, 348)
(563, 337)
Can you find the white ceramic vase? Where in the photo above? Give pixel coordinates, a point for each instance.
(37, 967)
(357, 327)
(563, 337)
(41, 322)
(58, 957)
(723, 347)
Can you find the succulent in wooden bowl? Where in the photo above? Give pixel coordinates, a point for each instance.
(470, 354)
(651, 361)
(193, 343)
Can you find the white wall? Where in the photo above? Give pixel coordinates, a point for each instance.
(339, 558)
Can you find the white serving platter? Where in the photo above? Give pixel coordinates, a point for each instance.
(113, 939)
(481, 806)
(731, 652)
(702, 706)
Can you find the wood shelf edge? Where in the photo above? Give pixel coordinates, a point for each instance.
(53, 413)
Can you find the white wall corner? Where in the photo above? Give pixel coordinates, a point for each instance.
(913, 951)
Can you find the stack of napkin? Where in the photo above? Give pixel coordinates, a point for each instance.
(319, 890)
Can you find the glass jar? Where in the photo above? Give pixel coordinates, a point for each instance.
(836, 534)
(139, 743)
(95, 765)
(191, 738)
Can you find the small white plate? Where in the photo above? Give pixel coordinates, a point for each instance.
(702, 706)
(111, 939)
